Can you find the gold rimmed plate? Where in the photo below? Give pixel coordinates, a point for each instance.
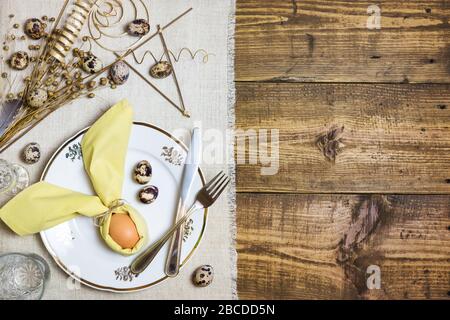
(76, 245)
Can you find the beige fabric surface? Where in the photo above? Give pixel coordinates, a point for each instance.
(209, 95)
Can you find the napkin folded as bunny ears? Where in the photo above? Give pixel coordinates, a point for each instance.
(104, 147)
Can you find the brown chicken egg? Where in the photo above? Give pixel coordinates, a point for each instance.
(123, 230)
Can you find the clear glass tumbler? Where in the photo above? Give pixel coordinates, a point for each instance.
(13, 178)
(22, 276)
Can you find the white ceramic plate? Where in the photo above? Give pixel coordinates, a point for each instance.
(76, 245)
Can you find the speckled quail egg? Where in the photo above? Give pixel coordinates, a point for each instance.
(19, 60)
(91, 64)
(161, 70)
(142, 172)
(35, 28)
(148, 194)
(32, 153)
(37, 97)
(138, 27)
(119, 72)
(203, 276)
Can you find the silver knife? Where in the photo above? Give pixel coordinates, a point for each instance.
(190, 171)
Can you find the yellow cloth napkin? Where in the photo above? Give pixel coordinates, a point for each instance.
(104, 147)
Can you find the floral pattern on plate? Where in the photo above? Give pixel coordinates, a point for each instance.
(124, 274)
(172, 156)
(74, 152)
(188, 229)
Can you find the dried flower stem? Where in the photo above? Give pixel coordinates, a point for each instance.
(44, 69)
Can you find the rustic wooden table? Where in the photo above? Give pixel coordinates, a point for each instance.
(364, 129)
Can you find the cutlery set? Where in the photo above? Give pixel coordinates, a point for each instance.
(204, 199)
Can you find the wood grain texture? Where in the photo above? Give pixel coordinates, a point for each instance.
(311, 231)
(393, 139)
(328, 41)
(296, 246)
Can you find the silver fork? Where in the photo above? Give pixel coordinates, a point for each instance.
(205, 198)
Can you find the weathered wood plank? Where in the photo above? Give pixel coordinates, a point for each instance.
(395, 138)
(328, 41)
(294, 246)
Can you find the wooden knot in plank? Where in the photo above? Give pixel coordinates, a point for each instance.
(330, 143)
